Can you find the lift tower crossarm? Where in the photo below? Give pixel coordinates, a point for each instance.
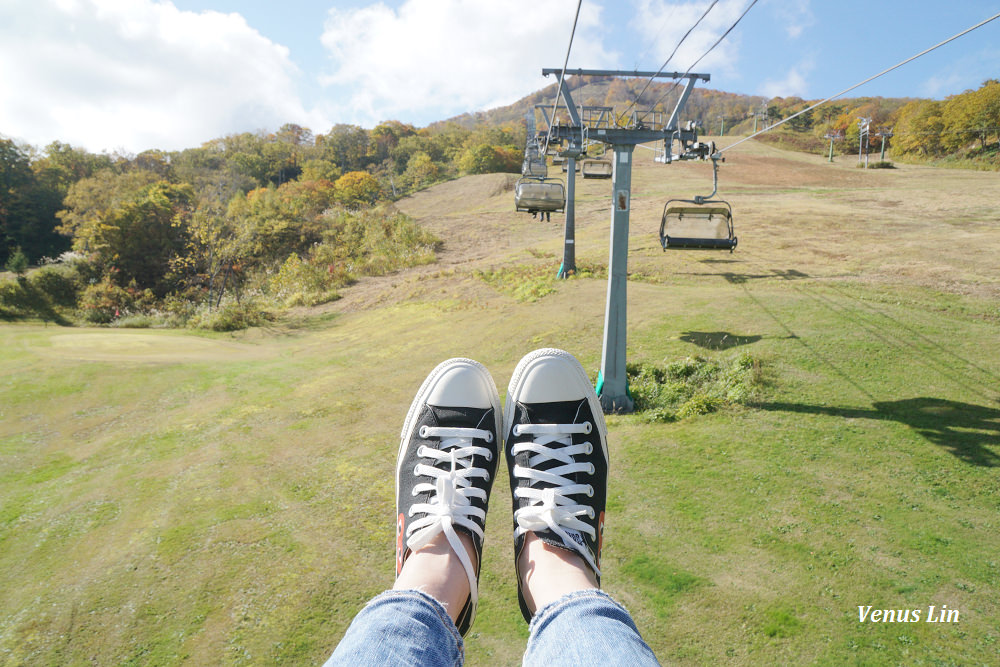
(613, 72)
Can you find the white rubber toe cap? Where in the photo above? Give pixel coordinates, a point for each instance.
(461, 384)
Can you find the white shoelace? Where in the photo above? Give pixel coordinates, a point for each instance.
(552, 508)
(452, 489)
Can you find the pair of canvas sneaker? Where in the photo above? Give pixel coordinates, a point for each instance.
(556, 453)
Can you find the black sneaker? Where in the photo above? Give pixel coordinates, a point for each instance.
(557, 456)
(448, 454)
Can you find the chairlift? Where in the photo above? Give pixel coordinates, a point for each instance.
(594, 168)
(701, 223)
(536, 195)
(535, 167)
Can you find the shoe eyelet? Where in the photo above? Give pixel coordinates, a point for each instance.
(489, 456)
(588, 427)
(489, 437)
(421, 451)
(517, 430)
(590, 493)
(423, 432)
(590, 512)
(589, 449)
(592, 468)
(414, 492)
(415, 473)
(487, 477)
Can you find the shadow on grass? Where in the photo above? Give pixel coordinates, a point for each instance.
(742, 278)
(24, 301)
(967, 431)
(717, 340)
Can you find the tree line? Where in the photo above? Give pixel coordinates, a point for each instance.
(287, 215)
(962, 127)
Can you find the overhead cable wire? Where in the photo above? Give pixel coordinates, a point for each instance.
(672, 53)
(702, 57)
(562, 75)
(858, 85)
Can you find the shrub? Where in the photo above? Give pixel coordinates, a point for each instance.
(14, 301)
(300, 283)
(104, 301)
(692, 386)
(231, 316)
(58, 284)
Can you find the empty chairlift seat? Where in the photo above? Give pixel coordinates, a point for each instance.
(596, 169)
(535, 167)
(539, 195)
(689, 225)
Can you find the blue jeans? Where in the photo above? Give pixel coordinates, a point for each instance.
(411, 628)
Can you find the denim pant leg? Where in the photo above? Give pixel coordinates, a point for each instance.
(586, 628)
(400, 628)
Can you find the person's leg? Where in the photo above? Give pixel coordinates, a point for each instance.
(586, 627)
(445, 467)
(400, 628)
(557, 455)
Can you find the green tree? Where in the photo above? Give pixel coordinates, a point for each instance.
(134, 225)
(420, 171)
(15, 176)
(318, 169)
(487, 158)
(346, 146)
(18, 262)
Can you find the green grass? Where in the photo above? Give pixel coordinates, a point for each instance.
(230, 502)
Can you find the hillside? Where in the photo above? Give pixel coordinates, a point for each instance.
(712, 109)
(174, 497)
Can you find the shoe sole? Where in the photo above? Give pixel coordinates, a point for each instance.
(579, 377)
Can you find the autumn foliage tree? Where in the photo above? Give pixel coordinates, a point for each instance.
(138, 236)
(357, 189)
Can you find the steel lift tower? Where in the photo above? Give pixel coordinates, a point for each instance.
(612, 384)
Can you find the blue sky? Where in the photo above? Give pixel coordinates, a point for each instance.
(135, 74)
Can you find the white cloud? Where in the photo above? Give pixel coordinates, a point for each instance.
(429, 59)
(795, 16)
(967, 72)
(792, 85)
(138, 74)
(662, 25)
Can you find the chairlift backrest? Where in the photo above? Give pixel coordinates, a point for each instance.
(535, 167)
(689, 225)
(593, 168)
(539, 194)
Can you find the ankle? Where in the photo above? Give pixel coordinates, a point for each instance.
(435, 569)
(548, 573)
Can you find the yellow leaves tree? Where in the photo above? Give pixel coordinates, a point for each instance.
(357, 189)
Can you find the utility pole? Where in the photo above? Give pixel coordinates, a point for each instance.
(885, 133)
(833, 135)
(863, 126)
(722, 128)
(612, 383)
